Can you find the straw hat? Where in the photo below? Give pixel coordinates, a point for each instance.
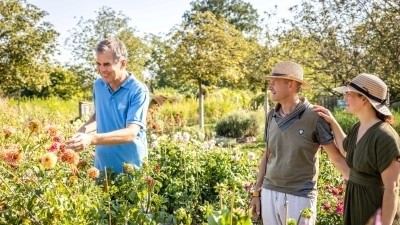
(290, 71)
(371, 87)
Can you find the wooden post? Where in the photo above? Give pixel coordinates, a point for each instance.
(85, 109)
(287, 212)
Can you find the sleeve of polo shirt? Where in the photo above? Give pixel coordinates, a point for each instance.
(324, 132)
(94, 98)
(138, 107)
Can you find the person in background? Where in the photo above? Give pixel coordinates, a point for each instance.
(287, 179)
(121, 102)
(372, 150)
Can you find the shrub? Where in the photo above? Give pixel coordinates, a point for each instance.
(257, 101)
(345, 119)
(238, 124)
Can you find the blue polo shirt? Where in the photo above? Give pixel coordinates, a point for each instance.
(114, 111)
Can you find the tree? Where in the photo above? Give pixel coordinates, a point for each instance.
(236, 12)
(158, 65)
(349, 37)
(25, 46)
(206, 50)
(64, 84)
(88, 33)
(254, 67)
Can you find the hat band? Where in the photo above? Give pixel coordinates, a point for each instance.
(366, 93)
(279, 74)
(284, 74)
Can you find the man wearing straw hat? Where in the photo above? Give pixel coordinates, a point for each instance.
(288, 171)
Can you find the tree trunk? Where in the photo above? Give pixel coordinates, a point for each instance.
(266, 100)
(201, 106)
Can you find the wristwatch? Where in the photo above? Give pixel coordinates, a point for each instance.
(255, 192)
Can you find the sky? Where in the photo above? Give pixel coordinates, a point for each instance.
(147, 16)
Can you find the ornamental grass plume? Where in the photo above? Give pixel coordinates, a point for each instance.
(93, 172)
(34, 125)
(49, 160)
(70, 156)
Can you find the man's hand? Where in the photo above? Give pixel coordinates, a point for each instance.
(79, 141)
(255, 205)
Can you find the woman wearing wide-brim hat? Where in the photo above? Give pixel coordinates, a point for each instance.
(372, 150)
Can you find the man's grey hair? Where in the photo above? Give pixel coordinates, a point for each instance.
(116, 46)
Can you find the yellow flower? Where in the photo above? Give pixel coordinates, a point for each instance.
(73, 179)
(93, 173)
(49, 160)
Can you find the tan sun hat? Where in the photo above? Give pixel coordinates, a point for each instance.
(290, 71)
(371, 87)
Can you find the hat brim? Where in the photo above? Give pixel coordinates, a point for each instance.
(304, 84)
(382, 108)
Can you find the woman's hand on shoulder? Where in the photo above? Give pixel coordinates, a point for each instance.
(324, 113)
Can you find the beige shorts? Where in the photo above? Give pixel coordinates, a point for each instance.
(276, 205)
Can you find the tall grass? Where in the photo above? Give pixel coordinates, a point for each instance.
(55, 110)
(217, 104)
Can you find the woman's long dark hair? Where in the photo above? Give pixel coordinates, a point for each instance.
(384, 118)
(381, 116)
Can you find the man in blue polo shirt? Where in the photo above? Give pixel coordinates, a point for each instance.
(121, 102)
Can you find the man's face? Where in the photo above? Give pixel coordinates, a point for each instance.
(280, 88)
(109, 70)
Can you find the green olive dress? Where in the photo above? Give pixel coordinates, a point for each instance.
(367, 159)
